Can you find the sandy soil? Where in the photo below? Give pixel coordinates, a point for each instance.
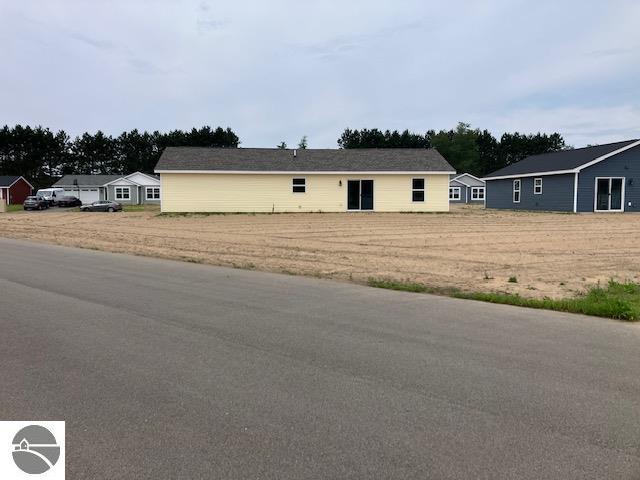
(472, 249)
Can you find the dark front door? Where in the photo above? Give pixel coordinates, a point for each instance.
(353, 194)
(366, 195)
(360, 195)
(602, 194)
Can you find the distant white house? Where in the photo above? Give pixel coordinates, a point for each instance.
(134, 189)
(466, 188)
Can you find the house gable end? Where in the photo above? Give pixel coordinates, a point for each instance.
(457, 183)
(143, 179)
(470, 180)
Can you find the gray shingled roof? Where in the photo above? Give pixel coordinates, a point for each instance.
(86, 180)
(559, 161)
(306, 160)
(7, 180)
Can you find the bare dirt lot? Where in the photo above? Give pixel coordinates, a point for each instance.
(472, 249)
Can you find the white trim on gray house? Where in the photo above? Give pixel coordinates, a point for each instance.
(155, 193)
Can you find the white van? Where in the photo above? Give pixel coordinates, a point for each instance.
(51, 195)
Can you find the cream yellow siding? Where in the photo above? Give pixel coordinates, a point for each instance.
(220, 192)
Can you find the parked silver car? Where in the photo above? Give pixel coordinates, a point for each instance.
(102, 206)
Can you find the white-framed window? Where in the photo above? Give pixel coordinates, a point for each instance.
(516, 191)
(454, 193)
(299, 185)
(537, 186)
(417, 189)
(477, 193)
(152, 193)
(122, 193)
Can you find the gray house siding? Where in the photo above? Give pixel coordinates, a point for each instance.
(471, 200)
(557, 193)
(143, 195)
(138, 195)
(625, 164)
(463, 192)
(133, 194)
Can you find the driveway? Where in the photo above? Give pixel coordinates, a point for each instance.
(164, 369)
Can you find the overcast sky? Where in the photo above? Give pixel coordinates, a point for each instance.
(279, 69)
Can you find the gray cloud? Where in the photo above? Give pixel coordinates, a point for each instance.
(145, 67)
(207, 21)
(611, 52)
(209, 24)
(92, 42)
(346, 43)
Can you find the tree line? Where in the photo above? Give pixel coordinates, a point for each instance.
(467, 150)
(43, 156)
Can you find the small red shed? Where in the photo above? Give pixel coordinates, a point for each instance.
(14, 189)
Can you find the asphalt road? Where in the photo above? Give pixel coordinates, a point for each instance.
(174, 370)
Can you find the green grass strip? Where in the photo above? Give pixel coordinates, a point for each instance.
(617, 300)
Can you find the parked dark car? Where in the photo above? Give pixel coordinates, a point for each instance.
(102, 206)
(35, 203)
(68, 202)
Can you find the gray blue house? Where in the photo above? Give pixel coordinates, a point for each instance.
(466, 188)
(602, 178)
(135, 189)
